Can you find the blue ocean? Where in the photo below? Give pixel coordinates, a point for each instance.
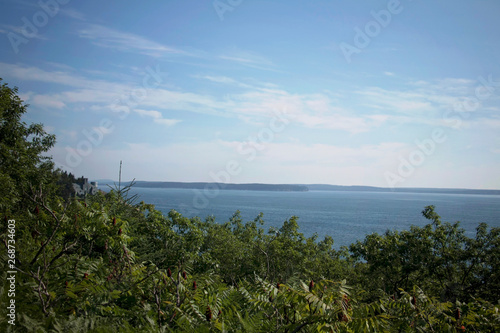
(345, 216)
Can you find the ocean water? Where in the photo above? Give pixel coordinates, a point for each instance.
(346, 216)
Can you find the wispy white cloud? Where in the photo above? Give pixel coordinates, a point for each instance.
(72, 13)
(393, 100)
(46, 101)
(165, 99)
(224, 80)
(416, 103)
(314, 111)
(157, 117)
(249, 59)
(428, 102)
(124, 41)
(65, 77)
(149, 113)
(168, 122)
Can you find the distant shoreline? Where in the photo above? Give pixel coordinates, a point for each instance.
(297, 187)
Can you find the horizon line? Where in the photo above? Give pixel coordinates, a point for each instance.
(304, 184)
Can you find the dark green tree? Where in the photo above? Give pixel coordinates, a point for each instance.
(23, 165)
(437, 257)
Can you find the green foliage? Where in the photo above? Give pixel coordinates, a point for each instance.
(437, 257)
(23, 168)
(107, 263)
(64, 184)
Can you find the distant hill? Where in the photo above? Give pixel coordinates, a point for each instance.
(202, 185)
(295, 187)
(325, 187)
(223, 186)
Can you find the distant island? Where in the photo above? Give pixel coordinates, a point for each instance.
(326, 187)
(221, 186)
(297, 187)
(224, 186)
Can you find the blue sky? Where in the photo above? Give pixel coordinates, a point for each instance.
(382, 93)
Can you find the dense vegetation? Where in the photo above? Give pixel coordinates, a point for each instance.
(108, 263)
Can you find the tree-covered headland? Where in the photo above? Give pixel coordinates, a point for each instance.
(108, 263)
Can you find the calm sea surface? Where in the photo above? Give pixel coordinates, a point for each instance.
(346, 216)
